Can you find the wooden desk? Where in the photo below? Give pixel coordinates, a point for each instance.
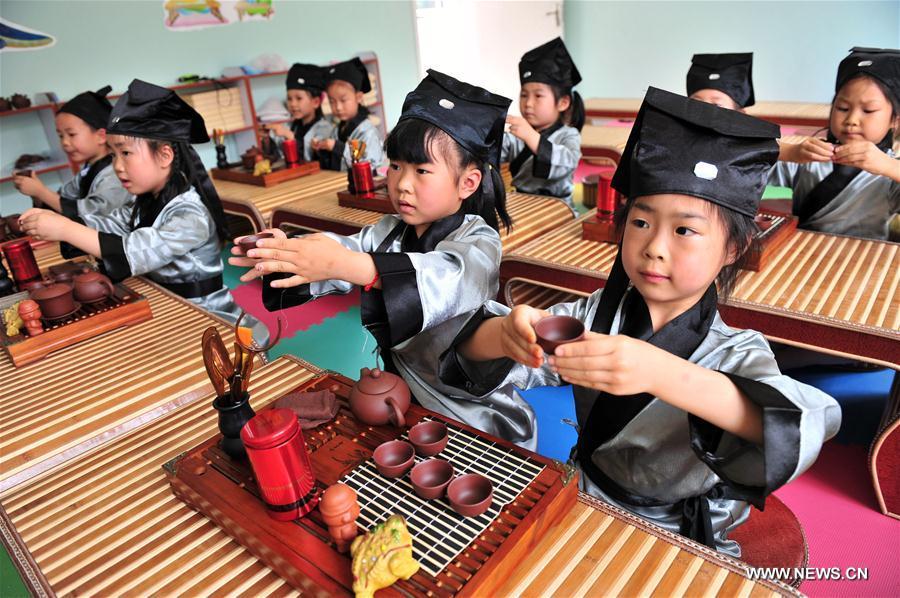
(808, 114)
(82, 396)
(827, 292)
(107, 523)
(604, 143)
(256, 203)
(533, 216)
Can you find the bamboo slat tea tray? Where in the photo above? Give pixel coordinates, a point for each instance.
(278, 175)
(124, 308)
(302, 552)
(105, 523)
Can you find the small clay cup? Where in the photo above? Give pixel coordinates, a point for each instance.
(12, 222)
(430, 478)
(249, 242)
(55, 300)
(554, 331)
(429, 437)
(470, 495)
(394, 458)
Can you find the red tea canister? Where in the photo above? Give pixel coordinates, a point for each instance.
(606, 197)
(291, 154)
(21, 262)
(280, 462)
(363, 180)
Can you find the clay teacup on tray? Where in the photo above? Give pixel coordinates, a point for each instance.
(56, 300)
(394, 458)
(470, 495)
(249, 242)
(429, 437)
(430, 478)
(554, 331)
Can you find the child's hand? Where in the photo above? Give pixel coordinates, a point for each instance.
(44, 225)
(518, 338)
(281, 130)
(519, 127)
(867, 156)
(809, 150)
(28, 185)
(242, 261)
(618, 364)
(326, 145)
(311, 259)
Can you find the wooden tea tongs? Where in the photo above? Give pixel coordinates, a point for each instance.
(245, 350)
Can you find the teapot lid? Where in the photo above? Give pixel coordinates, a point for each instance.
(376, 382)
(50, 292)
(89, 276)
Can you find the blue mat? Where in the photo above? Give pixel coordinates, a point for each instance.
(553, 405)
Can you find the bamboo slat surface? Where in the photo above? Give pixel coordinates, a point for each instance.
(241, 199)
(532, 215)
(106, 523)
(82, 395)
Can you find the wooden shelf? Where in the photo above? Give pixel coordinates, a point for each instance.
(15, 111)
(40, 171)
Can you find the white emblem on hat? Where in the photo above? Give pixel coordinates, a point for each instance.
(705, 170)
(865, 63)
(445, 103)
(714, 76)
(331, 71)
(301, 80)
(116, 119)
(526, 74)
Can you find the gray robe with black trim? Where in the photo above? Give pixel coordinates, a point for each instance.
(424, 300)
(652, 456)
(552, 170)
(105, 194)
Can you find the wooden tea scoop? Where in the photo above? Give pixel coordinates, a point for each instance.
(215, 373)
(243, 358)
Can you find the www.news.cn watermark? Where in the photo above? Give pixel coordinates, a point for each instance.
(808, 573)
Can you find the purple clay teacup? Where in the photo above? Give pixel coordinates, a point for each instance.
(249, 242)
(554, 331)
(429, 437)
(430, 478)
(394, 458)
(470, 495)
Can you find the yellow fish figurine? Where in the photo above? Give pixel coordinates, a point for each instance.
(382, 556)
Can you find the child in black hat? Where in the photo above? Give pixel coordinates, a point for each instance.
(682, 419)
(725, 80)
(426, 268)
(305, 86)
(850, 183)
(81, 126)
(543, 146)
(174, 233)
(346, 84)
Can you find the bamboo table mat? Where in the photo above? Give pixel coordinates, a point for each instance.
(533, 216)
(107, 523)
(256, 203)
(90, 392)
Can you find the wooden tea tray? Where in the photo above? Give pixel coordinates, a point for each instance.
(776, 229)
(381, 202)
(124, 308)
(601, 231)
(240, 175)
(302, 552)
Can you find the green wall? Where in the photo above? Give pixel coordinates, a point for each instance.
(114, 41)
(622, 47)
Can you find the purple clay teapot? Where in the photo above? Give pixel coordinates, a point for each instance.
(92, 286)
(379, 398)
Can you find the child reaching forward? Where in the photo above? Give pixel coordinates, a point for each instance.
(424, 270)
(682, 419)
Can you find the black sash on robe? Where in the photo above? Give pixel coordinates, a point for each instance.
(516, 165)
(832, 185)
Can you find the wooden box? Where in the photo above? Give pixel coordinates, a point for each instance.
(776, 229)
(239, 174)
(124, 308)
(302, 551)
(601, 231)
(381, 202)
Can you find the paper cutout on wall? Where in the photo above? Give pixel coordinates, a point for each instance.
(185, 15)
(17, 38)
